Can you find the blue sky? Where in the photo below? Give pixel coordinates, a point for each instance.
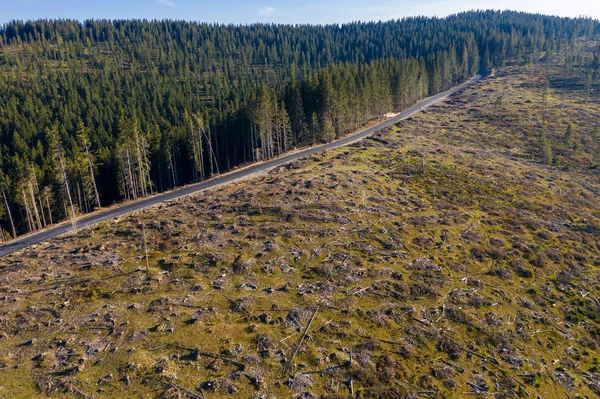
(280, 11)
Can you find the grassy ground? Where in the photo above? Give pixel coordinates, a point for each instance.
(441, 258)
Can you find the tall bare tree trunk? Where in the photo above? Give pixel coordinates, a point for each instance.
(65, 181)
(252, 144)
(49, 209)
(79, 198)
(12, 222)
(30, 222)
(195, 154)
(40, 200)
(146, 167)
(124, 183)
(130, 174)
(35, 208)
(62, 174)
(86, 202)
(92, 175)
(200, 133)
(174, 167)
(194, 144)
(171, 168)
(196, 133)
(141, 173)
(212, 153)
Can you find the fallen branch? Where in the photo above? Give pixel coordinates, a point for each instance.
(291, 362)
(487, 359)
(197, 353)
(520, 383)
(456, 366)
(186, 391)
(70, 388)
(381, 340)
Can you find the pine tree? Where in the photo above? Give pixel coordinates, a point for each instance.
(326, 129)
(474, 59)
(60, 170)
(569, 136)
(142, 163)
(195, 143)
(465, 71)
(587, 87)
(486, 62)
(546, 148)
(125, 157)
(314, 128)
(86, 165)
(283, 129)
(213, 161)
(295, 110)
(263, 120)
(3, 184)
(30, 179)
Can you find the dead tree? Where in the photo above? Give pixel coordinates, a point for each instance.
(10, 217)
(39, 194)
(30, 221)
(61, 170)
(88, 162)
(195, 144)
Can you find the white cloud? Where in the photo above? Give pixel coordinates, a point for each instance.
(267, 11)
(169, 3)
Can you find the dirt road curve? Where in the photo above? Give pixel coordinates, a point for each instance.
(95, 218)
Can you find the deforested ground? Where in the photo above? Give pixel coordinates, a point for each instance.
(454, 255)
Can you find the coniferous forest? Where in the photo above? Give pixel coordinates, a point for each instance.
(101, 111)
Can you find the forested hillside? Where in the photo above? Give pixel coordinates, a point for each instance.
(96, 112)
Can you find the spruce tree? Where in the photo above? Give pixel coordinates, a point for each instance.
(569, 137)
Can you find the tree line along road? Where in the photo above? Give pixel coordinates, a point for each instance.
(98, 217)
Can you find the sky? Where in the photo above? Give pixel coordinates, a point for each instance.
(279, 11)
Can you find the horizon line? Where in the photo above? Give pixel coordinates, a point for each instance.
(217, 23)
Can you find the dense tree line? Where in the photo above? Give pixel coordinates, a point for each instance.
(100, 111)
